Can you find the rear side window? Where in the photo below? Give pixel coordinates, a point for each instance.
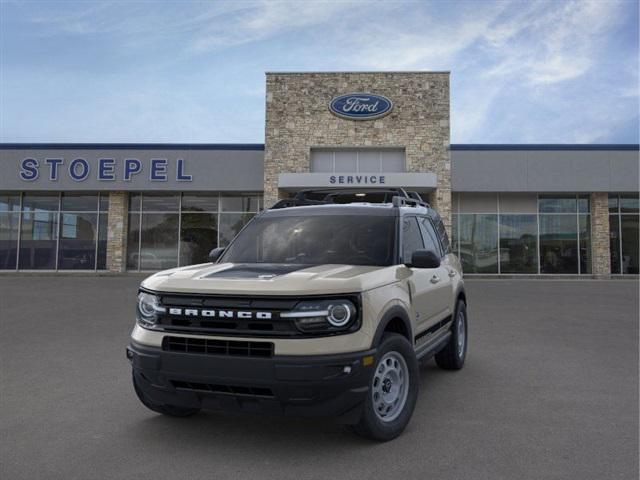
(411, 238)
(442, 233)
(430, 237)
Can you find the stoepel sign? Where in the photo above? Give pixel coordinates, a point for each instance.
(360, 106)
(107, 169)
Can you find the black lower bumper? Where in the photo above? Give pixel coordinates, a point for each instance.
(320, 385)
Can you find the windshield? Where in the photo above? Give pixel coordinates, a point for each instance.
(316, 240)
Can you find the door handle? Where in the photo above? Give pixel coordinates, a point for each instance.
(435, 279)
(452, 273)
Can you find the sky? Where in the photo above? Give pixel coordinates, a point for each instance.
(193, 72)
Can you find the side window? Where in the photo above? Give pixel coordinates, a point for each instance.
(430, 236)
(442, 233)
(411, 238)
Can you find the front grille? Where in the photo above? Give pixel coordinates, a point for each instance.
(235, 315)
(228, 389)
(274, 326)
(217, 347)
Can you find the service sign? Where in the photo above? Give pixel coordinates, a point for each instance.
(360, 106)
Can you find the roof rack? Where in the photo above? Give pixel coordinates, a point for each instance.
(398, 197)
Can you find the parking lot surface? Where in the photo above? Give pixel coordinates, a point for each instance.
(549, 391)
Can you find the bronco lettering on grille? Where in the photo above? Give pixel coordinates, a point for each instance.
(245, 315)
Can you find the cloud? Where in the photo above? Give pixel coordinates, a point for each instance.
(521, 71)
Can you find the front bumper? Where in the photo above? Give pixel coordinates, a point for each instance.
(314, 385)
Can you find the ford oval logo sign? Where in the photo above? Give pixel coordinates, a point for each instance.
(360, 106)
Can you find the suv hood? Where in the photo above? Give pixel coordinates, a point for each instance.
(270, 279)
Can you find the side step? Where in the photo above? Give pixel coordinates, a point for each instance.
(433, 346)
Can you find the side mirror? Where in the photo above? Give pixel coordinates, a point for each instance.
(215, 254)
(424, 259)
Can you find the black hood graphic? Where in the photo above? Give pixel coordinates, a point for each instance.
(256, 270)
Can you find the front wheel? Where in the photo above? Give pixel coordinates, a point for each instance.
(393, 391)
(452, 356)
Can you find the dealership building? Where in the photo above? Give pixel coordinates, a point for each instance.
(510, 209)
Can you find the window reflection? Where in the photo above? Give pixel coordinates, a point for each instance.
(77, 248)
(478, 239)
(9, 222)
(558, 244)
(518, 244)
(38, 239)
(557, 204)
(159, 241)
(624, 240)
(630, 245)
(198, 236)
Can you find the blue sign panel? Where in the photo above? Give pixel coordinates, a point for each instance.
(360, 106)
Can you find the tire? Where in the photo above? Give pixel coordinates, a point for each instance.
(169, 410)
(383, 421)
(452, 356)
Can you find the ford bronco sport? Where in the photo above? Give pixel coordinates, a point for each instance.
(320, 306)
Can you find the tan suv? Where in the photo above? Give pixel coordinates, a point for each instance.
(321, 306)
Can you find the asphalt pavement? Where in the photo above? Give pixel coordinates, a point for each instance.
(549, 391)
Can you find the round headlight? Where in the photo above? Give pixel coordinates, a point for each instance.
(339, 315)
(148, 308)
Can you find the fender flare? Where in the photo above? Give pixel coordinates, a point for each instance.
(460, 295)
(394, 312)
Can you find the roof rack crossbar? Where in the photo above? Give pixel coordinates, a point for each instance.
(399, 197)
(408, 202)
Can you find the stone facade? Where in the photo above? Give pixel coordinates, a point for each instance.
(117, 231)
(600, 248)
(298, 119)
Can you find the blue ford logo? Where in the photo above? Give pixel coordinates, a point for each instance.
(360, 106)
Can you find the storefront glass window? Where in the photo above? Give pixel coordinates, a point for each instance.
(239, 203)
(454, 234)
(9, 202)
(614, 242)
(9, 222)
(630, 247)
(80, 202)
(518, 244)
(352, 160)
(557, 204)
(38, 238)
(78, 235)
(198, 236)
(39, 232)
(160, 202)
(200, 202)
(166, 231)
(133, 239)
(53, 231)
(628, 203)
(558, 244)
(478, 242)
(584, 237)
(159, 241)
(623, 233)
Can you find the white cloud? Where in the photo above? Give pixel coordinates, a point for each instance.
(521, 71)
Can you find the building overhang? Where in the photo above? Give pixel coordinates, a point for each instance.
(419, 182)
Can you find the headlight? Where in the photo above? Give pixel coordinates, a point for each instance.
(148, 309)
(323, 315)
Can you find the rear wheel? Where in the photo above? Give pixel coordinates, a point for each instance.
(170, 410)
(393, 391)
(453, 355)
